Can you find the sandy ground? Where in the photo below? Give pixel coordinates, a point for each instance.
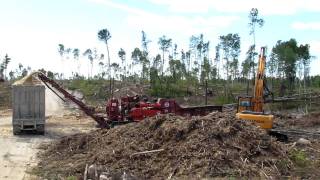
(18, 153)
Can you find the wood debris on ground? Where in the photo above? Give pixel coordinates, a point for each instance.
(216, 145)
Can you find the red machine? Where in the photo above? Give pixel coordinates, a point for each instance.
(133, 109)
(130, 108)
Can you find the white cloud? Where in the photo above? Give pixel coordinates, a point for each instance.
(315, 51)
(120, 6)
(177, 27)
(142, 19)
(269, 7)
(184, 6)
(306, 25)
(315, 47)
(180, 24)
(39, 49)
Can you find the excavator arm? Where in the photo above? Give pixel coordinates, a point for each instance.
(251, 107)
(258, 99)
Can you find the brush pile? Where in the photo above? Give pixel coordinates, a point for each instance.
(167, 146)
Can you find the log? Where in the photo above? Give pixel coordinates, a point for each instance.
(147, 152)
(85, 174)
(283, 99)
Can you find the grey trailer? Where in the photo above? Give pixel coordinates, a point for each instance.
(28, 108)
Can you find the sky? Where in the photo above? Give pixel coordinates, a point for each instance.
(30, 30)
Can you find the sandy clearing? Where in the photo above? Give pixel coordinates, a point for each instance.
(18, 153)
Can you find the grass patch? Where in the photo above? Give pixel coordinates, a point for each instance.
(72, 178)
(220, 100)
(299, 158)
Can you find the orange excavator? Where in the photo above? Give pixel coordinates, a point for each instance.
(251, 107)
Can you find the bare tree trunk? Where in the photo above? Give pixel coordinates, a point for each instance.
(162, 67)
(206, 91)
(62, 63)
(254, 50)
(248, 85)
(78, 67)
(109, 72)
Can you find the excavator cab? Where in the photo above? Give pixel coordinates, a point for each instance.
(251, 107)
(244, 103)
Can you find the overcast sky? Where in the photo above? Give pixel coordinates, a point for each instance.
(30, 30)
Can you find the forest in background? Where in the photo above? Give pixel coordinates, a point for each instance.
(174, 72)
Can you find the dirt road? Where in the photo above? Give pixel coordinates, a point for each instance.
(17, 153)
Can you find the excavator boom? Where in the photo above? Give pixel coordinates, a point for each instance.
(258, 90)
(251, 107)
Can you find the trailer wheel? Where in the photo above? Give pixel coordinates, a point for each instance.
(40, 129)
(16, 130)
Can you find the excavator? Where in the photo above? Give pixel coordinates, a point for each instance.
(251, 107)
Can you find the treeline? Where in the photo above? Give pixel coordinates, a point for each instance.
(19, 72)
(4, 66)
(178, 72)
(288, 64)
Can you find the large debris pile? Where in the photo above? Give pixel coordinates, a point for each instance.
(216, 145)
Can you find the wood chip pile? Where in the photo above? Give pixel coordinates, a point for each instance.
(168, 146)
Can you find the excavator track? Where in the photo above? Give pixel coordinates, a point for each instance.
(292, 134)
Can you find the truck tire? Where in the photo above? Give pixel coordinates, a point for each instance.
(16, 130)
(40, 129)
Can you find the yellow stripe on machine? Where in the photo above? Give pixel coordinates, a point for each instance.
(265, 121)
